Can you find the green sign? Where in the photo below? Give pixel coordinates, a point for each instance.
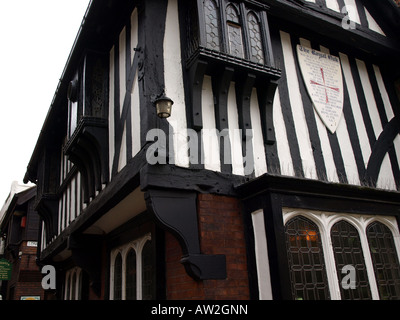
(5, 269)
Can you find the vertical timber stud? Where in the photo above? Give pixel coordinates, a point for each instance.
(265, 100)
(220, 84)
(196, 74)
(177, 212)
(243, 94)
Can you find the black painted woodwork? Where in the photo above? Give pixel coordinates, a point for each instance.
(325, 22)
(220, 84)
(171, 191)
(382, 146)
(87, 144)
(199, 60)
(88, 150)
(86, 251)
(176, 211)
(46, 202)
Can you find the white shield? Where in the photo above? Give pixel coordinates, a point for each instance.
(322, 76)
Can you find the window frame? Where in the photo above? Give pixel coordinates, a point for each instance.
(313, 246)
(137, 245)
(243, 9)
(73, 280)
(325, 221)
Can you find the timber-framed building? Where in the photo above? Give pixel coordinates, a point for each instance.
(261, 184)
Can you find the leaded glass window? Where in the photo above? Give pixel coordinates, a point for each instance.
(306, 260)
(118, 277)
(212, 25)
(147, 271)
(385, 260)
(235, 39)
(133, 269)
(347, 249)
(73, 284)
(233, 29)
(131, 275)
(256, 47)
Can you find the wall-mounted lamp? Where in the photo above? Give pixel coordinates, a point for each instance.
(163, 106)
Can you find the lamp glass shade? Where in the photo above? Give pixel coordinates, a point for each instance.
(163, 107)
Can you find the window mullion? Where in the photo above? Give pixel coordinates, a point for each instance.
(266, 40)
(139, 289)
(329, 257)
(224, 29)
(245, 31)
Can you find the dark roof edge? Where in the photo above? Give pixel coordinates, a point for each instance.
(63, 81)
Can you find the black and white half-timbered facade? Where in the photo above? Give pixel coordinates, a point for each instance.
(276, 175)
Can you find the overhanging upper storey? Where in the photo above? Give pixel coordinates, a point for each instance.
(231, 32)
(87, 138)
(228, 41)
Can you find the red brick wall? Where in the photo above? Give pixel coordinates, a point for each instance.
(28, 289)
(27, 278)
(221, 232)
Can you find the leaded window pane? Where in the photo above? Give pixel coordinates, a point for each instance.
(256, 49)
(131, 275)
(147, 272)
(347, 249)
(385, 260)
(235, 38)
(118, 277)
(212, 25)
(306, 260)
(231, 14)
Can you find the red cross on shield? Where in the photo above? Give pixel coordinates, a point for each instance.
(322, 75)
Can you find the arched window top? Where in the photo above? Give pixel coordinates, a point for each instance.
(251, 16)
(304, 230)
(232, 14)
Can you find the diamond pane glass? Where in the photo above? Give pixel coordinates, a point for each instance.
(348, 251)
(231, 14)
(385, 260)
(212, 25)
(256, 49)
(235, 38)
(306, 260)
(131, 275)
